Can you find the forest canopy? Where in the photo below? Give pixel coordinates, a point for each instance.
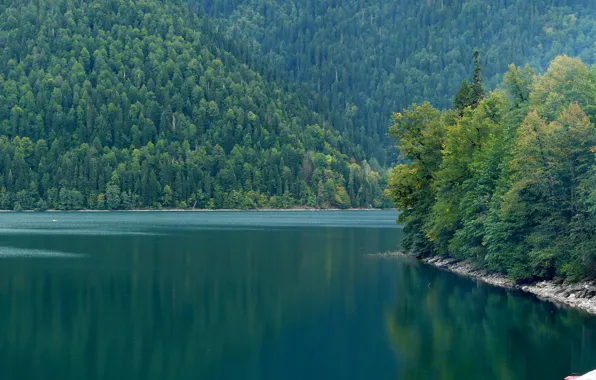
(113, 104)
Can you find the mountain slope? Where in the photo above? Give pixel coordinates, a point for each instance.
(370, 58)
(126, 104)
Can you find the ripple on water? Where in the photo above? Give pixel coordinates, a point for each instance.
(12, 252)
(73, 231)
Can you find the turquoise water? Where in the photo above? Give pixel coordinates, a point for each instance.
(259, 295)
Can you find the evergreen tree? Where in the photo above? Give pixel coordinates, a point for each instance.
(461, 100)
(476, 89)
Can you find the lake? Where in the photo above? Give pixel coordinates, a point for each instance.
(259, 295)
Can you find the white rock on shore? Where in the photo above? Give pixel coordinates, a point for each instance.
(578, 295)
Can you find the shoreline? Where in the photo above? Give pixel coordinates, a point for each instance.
(210, 210)
(581, 295)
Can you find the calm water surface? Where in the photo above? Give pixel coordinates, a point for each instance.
(259, 295)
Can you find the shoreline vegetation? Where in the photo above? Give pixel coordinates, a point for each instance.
(507, 179)
(580, 295)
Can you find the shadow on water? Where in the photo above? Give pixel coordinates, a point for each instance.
(443, 326)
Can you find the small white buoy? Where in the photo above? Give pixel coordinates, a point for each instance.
(54, 220)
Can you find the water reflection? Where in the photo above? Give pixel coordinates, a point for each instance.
(444, 327)
(199, 304)
(261, 302)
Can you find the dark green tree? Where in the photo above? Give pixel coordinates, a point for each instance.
(461, 100)
(476, 89)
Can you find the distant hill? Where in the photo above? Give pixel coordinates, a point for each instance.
(114, 104)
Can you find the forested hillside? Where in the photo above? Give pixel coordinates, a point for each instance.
(114, 104)
(507, 180)
(370, 58)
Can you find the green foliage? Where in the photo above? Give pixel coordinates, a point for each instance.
(113, 201)
(470, 95)
(511, 182)
(127, 104)
(476, 89)
(70, 200)
(421, 131)
(461, 100)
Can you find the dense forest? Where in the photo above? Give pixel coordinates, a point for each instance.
(113, 104)
(507, 179)
(369, 58)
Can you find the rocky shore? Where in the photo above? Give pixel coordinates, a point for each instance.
(580, 295)
(388, 255)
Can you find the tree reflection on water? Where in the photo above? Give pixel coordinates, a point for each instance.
(442, 326)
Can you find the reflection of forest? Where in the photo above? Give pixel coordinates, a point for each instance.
(445, 327)
(169, 306)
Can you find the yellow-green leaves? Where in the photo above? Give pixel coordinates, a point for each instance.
(513, 184)
(518, 82)
(420, 132)
(402, 186)
(567, 80)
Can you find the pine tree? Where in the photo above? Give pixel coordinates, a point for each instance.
(461, 100)
(476, 89)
